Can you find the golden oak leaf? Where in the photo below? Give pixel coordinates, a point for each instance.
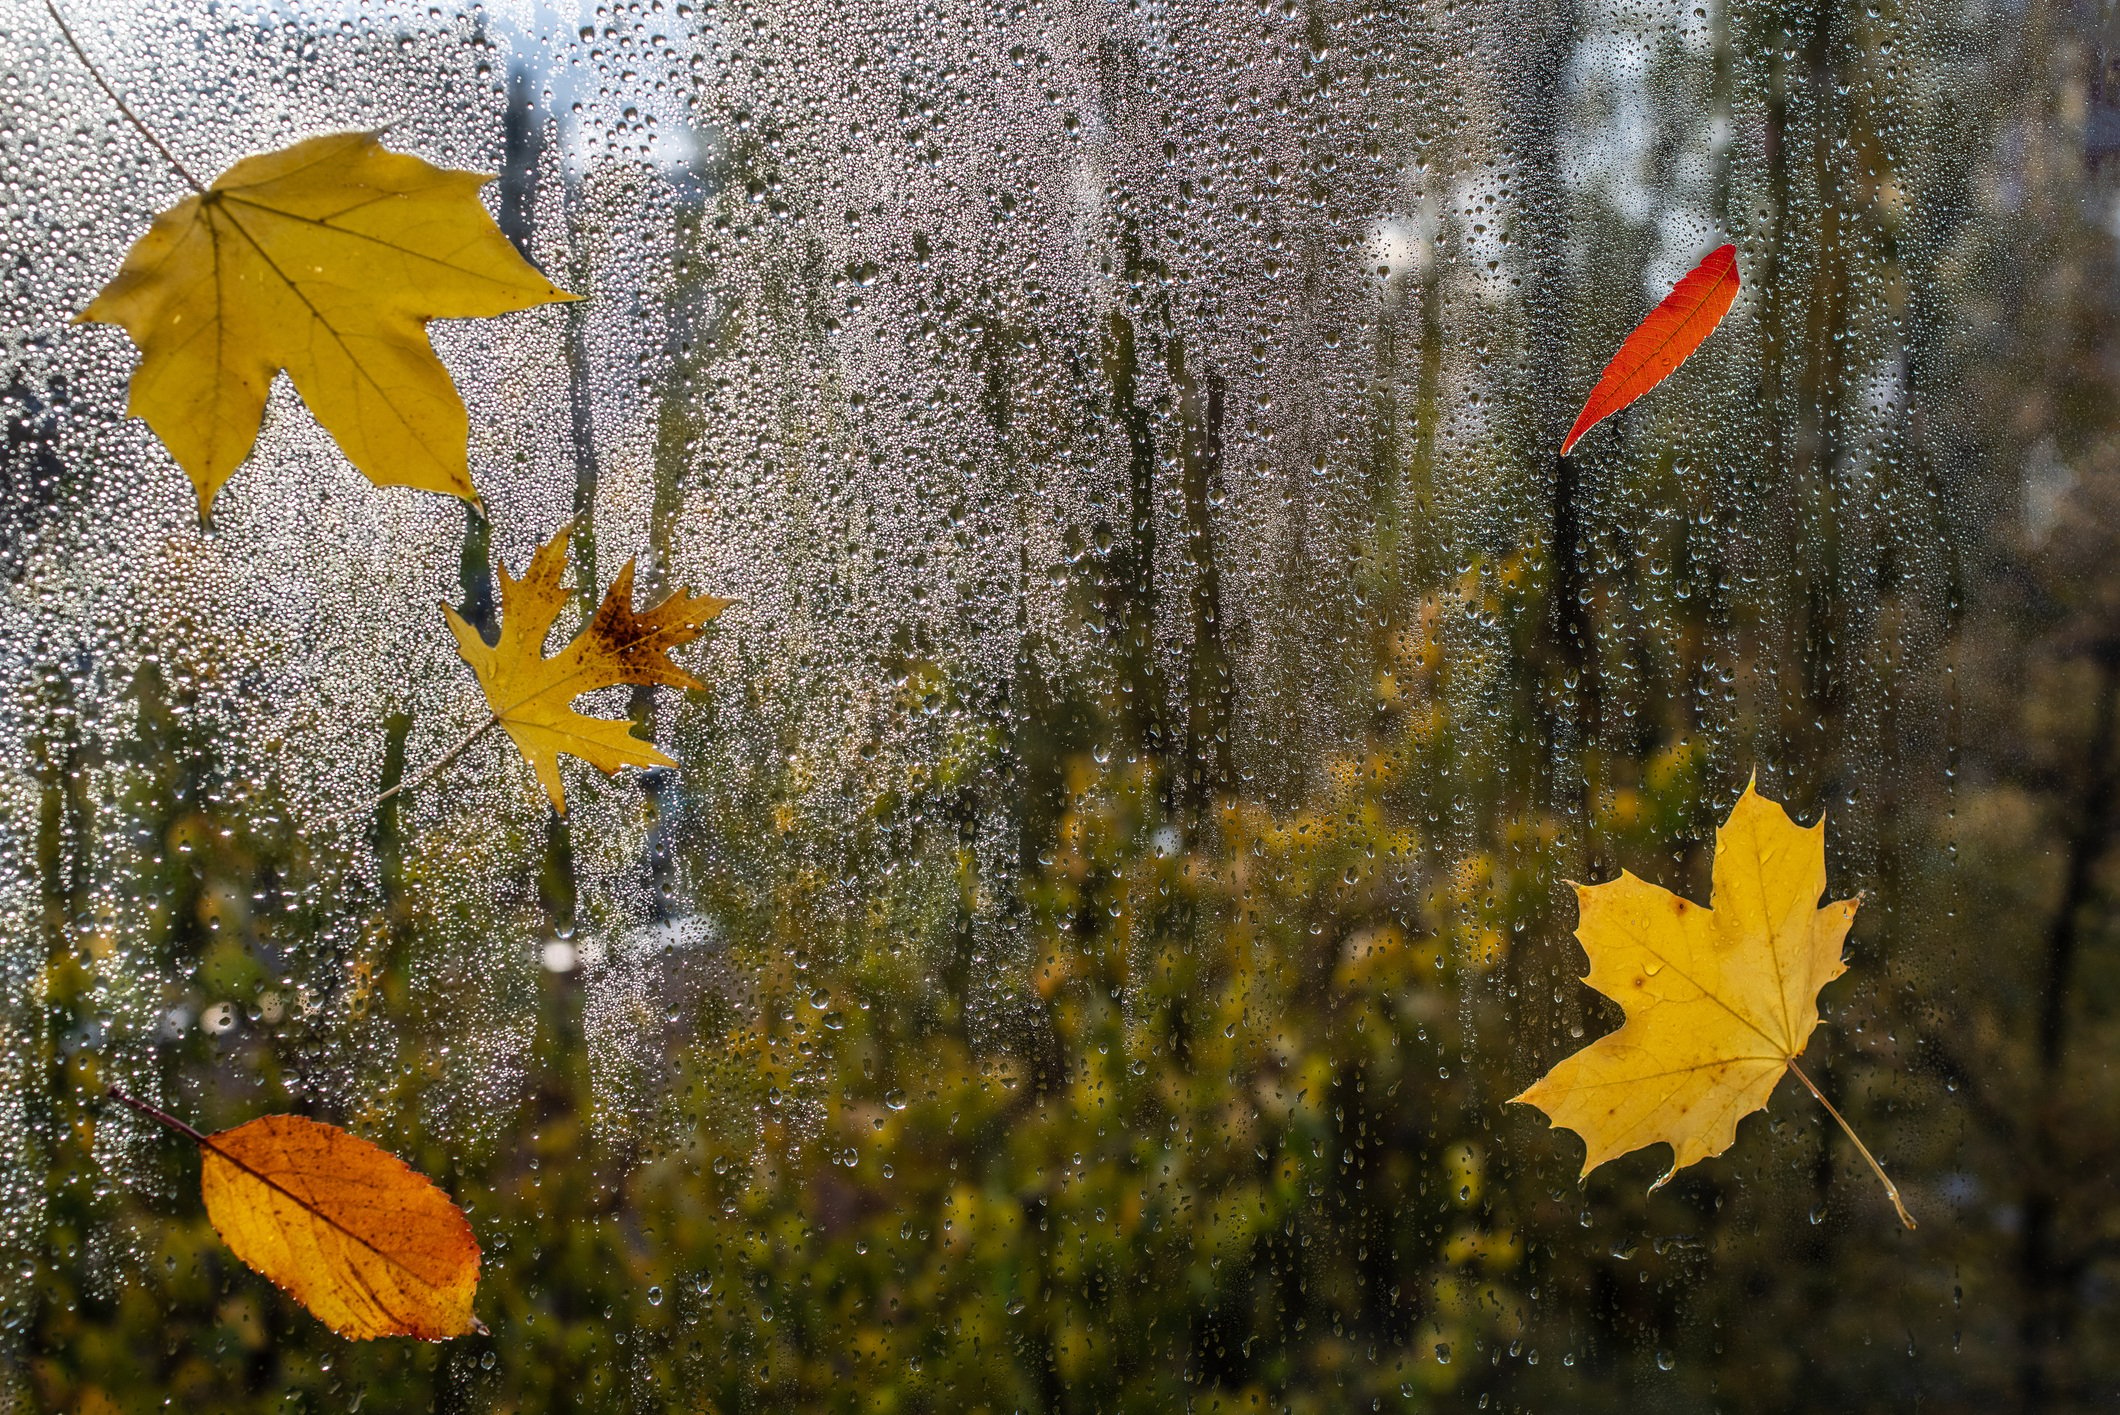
(352, 1232)
(532, 695)
(1719, 1002)
(325, 259)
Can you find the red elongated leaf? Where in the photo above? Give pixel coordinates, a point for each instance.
(1663, 341)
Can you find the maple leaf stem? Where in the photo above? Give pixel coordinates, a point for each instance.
(131, 117)
(1890, 1188)
(432, 770)
(160, 1117)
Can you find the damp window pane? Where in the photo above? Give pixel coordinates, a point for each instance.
(1094, 891)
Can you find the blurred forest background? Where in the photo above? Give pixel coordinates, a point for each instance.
(1114, 881)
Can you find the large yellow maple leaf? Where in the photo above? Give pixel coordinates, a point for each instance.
(1719, 1002)
(532, 695)
(325, 259)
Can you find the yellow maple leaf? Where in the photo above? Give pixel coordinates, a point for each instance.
(349, 1230)
(1719, 1002)
(531, 695)
(325, 259)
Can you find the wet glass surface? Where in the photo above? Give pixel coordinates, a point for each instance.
(1114, 875)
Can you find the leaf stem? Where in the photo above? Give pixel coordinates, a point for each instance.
(160, 1117)
(1890, 1188)
(433, 769)
(130, 116)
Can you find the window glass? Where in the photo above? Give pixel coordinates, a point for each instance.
(1113, 871)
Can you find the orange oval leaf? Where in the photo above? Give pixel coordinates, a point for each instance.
(352, 1232)
(1663, 341)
